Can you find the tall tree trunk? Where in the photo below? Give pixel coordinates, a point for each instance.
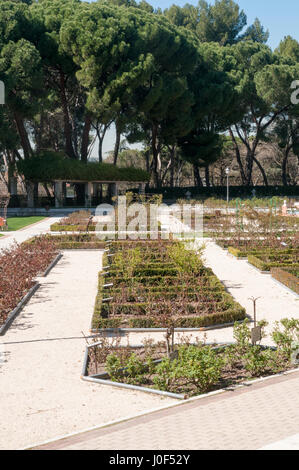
(261, 170)
(101, 140)
(171, 181)
(66, 119)
(156, 163)
(249, 166)
(117, 144)
(284, 167)
(238, 157)
(207, 176)
(197, 178)
(23, 135)
(85, 138)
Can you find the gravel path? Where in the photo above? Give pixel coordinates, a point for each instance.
(41, 393)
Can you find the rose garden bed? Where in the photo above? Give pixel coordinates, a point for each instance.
(156, 283)
(19, 267)
(187, 368)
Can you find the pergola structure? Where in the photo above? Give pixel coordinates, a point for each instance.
(51, 167)
(89, 185)
(59, 196)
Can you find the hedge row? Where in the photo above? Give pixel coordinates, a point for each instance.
(71, 228)
(213, 319)
(220, 191)
(243, 253)
(144, 308)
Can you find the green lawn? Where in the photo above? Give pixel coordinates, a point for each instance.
(16, 223)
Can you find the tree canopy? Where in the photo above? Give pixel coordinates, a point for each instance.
(181, 82)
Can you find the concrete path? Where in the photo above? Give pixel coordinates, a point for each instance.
(24, 234)
(41, 356)
(248, 418)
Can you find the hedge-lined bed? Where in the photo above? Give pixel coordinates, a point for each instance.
(158, 283)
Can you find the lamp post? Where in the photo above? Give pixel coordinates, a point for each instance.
(227, 171)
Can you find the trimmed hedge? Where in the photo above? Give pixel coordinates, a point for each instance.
(220, 191)
(71, 228)
(243, 253)
(50, 166)
(287, 278)
(229, 316)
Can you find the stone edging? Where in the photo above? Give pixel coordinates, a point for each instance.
(52, 264)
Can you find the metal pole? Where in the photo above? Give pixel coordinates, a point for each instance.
(227, 192)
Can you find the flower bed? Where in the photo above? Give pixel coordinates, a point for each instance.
(287, 276)
(19, 266)
(157, 283)
(191, 368)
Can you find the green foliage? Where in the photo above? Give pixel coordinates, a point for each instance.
(186, 260)
(50, 166)
(285, 333)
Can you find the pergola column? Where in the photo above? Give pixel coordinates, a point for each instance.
(142, 188)
(115, 189)
(30, 195)
(58, 194)
(13, 186)
(88, 189)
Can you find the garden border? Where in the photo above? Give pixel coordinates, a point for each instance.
(15, 312)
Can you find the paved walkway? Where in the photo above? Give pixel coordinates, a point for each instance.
(20, 236)
(248, 418)
(41, 393)
(244, 281)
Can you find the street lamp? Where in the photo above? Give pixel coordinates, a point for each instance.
(227, 171)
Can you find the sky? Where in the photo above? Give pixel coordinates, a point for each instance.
(280, 17)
